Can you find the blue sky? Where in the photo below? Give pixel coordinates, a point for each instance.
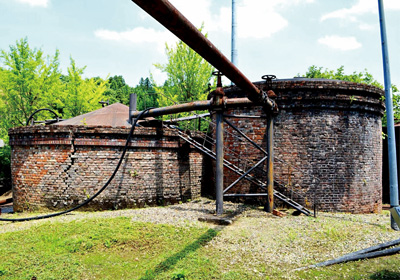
(281, 37)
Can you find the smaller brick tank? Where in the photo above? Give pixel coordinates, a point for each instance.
(328, 143)
(59, 166)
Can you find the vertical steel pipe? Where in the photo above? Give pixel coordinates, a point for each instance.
(394, 192)
(132, 106)
(270, 167)
(233, 35)
(166, 14)
(219, 169)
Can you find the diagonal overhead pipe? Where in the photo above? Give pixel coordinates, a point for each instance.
(191, 106)
(166, 14)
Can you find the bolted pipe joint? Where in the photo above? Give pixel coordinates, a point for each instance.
(265, 99)
(218, 98)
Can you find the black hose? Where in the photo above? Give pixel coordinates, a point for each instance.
(368, 253)
(37, 111)
(97, 193)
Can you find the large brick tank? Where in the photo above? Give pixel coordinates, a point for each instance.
(328, 150)
(328, 143)
(59, 166)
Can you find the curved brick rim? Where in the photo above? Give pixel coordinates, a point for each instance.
(299, 93)
(82, 135)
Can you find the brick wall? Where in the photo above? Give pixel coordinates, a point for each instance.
(327, 147)
(328, 143)
(60, 166)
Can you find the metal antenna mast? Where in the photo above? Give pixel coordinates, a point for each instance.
(233, 42)
(394, 192)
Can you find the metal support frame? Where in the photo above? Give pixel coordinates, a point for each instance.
(245, 136)
(270, 168)
(166, 14)
(269, 157)
(245, 174)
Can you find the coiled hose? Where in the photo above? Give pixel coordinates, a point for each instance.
(97, 193)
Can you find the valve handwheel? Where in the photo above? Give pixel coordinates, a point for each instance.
(268, 77)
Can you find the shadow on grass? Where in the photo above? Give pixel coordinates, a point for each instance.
(170, 262)
(385, 274)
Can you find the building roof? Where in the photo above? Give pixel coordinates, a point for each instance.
(114, 115)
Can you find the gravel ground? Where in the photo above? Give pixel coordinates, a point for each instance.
(185, 214)
(257, 237)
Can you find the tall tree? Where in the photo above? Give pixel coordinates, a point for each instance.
(188, 75)
(81, 95)
(118, 90)
(147, 96)
(28, 81)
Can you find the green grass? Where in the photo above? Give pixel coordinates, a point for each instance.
(114, 248)
(118, 248)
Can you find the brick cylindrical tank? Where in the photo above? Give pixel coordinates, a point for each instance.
(328, 143)
(59, 166)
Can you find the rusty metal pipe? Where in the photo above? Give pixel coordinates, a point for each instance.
(219, 162)
(270, 168)
(192, 106)
(166, 14)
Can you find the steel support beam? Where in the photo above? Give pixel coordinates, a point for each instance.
(132, 105)
(245, 174)
(245, 136)
(245, 194)
(270, 168)
(219, 168)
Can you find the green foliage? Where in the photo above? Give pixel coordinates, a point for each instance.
(28, 82)
(81, 95)
(188, 76)
(361, 77)
(5, 164)
(147, 96)
(118, 90)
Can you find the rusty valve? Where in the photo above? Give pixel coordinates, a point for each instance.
(268, 81)
(218, 95)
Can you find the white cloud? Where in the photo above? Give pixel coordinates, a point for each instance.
(366, 26)
(138, 35)
(340, 43)
(360, 8)
(255, 18)
(259, 19)
(33, 3)
(196, 12)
